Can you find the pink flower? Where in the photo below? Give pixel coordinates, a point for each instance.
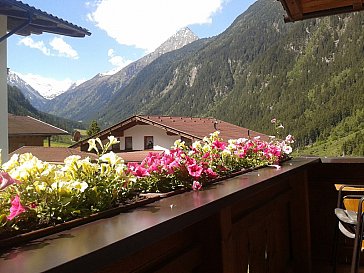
(219, 145)
(273, 120)
(196, 186)
(154, 167)
(137, 170)
(16, 208)
(6, 180)
(172, 166)
(195, 170)
(289, 139)
(210, 173)
(141, 172)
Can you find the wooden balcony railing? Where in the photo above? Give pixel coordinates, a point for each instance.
(267, 220)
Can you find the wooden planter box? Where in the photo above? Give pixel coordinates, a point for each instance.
(257, 220)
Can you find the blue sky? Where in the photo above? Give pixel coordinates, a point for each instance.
(122, 31)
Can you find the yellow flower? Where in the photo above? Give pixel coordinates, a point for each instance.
(111, 158)
(40, 186)
(80, 186)
(12, 163)
(71, 159)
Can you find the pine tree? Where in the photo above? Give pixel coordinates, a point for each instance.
(93, 129)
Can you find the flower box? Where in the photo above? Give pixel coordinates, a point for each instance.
(38, 199)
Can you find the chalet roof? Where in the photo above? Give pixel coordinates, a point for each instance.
(23, 19)
(52, 154)
(200, 127)
(26, 125)
(189, 127)
(306, 9)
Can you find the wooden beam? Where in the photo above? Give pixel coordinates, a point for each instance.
(293, 9)
(357, 4)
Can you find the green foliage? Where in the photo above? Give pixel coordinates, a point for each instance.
(93, 129)
(308, 74)
(19, 105)
(354, 146)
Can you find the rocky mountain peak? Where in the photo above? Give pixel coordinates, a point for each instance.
(181, 38)
(34, 97)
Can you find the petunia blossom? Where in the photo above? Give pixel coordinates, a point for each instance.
(16, 208)
(219, 145)
(196, 186)
(194, 170)
(210, 173)
(6, 180)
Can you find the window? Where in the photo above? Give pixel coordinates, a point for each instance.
(148, 142)
(188, 141)
(128, 143)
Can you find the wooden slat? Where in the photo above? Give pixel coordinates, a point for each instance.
(319, 5)
(294, 8)
(304, 9)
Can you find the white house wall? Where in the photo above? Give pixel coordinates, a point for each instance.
(160, 138)
(3, 92)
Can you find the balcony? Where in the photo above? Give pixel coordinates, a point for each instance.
(268, 220)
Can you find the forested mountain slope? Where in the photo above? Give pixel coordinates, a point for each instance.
(19, 105)
(308, 74)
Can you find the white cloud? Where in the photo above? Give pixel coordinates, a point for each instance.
(146, 24)
(63, 49)
(118, 61)
(29, 42)
(47, 87)
(58, 47)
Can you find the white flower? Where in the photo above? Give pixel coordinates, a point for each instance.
(287, 149)
(80, 186)
(241, 140)
(12, 163)
(111, 158)
(226, 152)
(92, 145)
(112, 140)
(289, 139)
(215, 134)
(40, 186)
(196, 145)
(71, 159)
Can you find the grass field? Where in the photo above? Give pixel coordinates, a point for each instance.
(64, 141)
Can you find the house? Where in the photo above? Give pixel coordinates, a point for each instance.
(28, 131)
(52, 154)
(139, 133)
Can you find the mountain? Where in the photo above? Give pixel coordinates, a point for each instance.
(18, 104)
(33, 96)
(194, 80)
(307, 74)
(85, 101)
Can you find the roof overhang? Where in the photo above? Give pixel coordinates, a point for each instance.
(130, 122)
(306, 9)
(25, 20)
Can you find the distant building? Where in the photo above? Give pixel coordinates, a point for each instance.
(28, 131)
(148, 133)
(52, 154)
